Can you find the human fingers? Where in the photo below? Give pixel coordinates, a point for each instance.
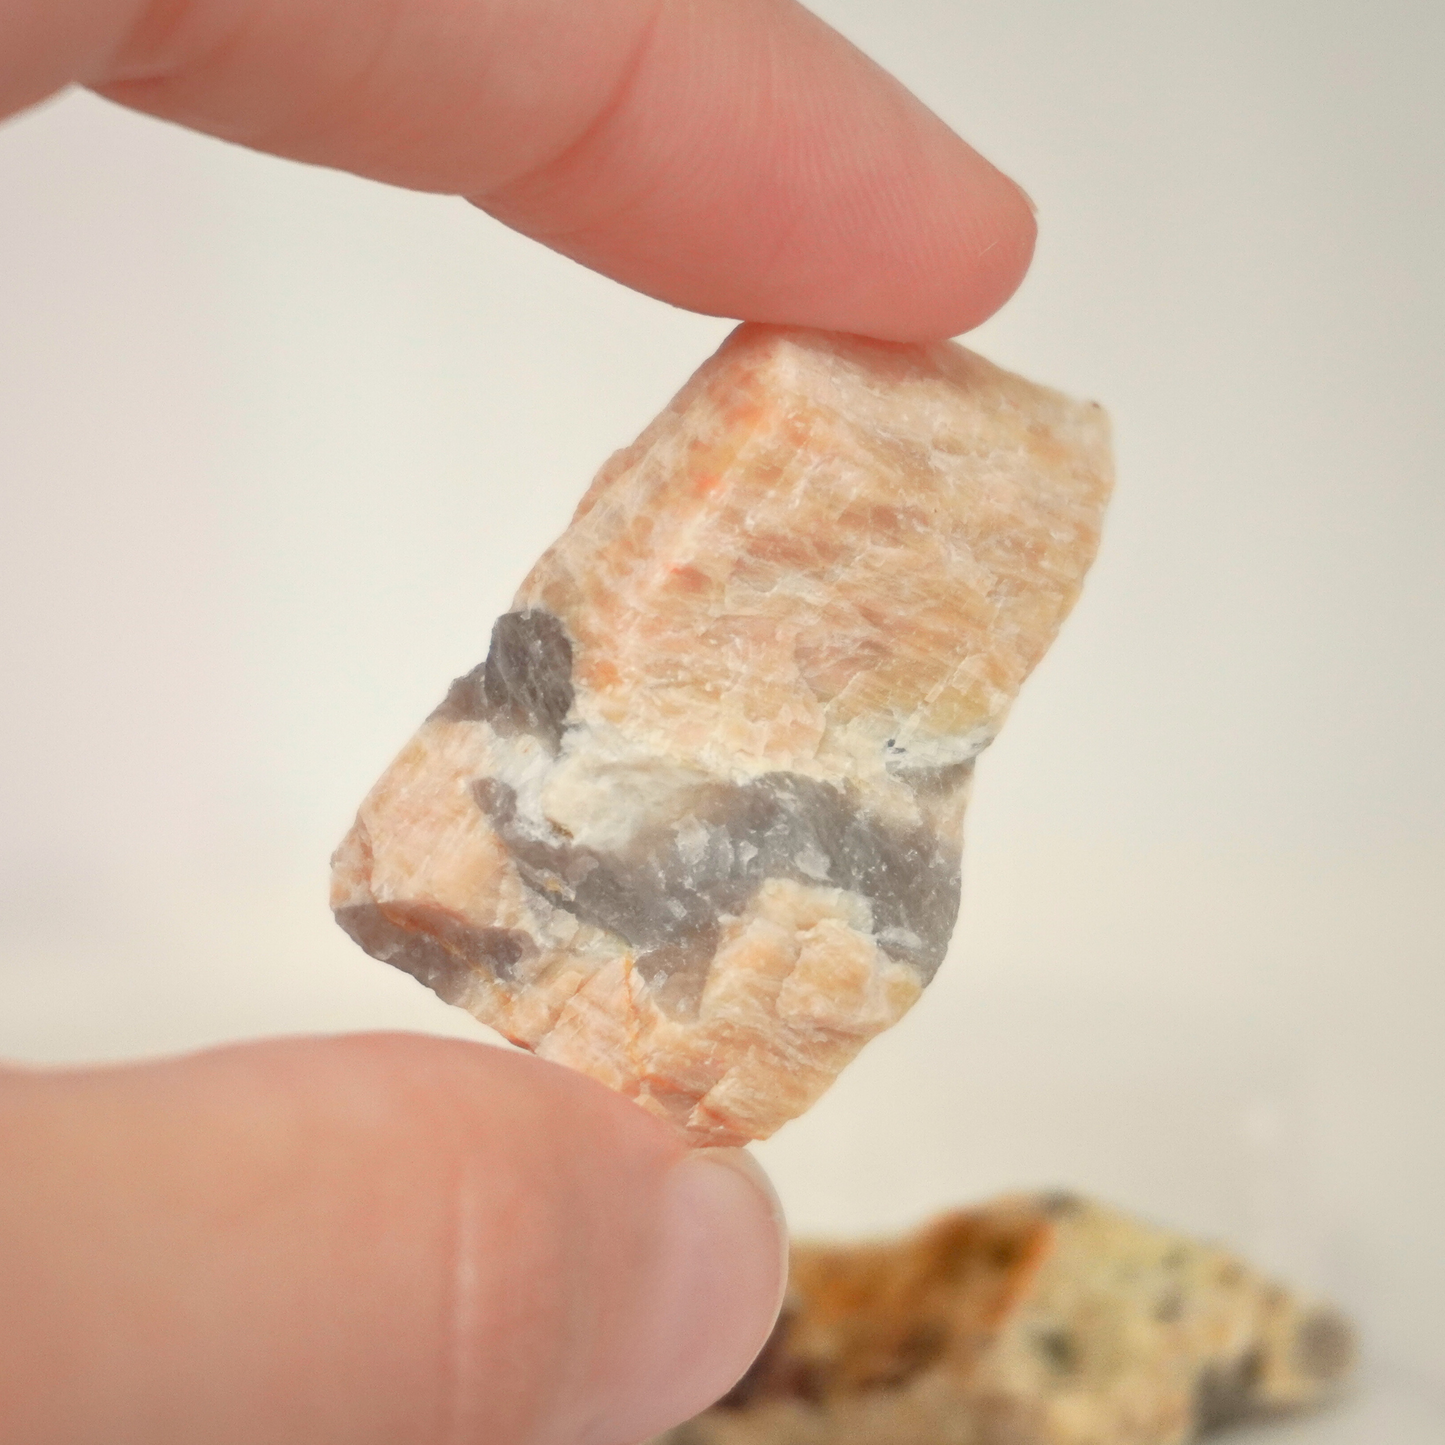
(378, 1239)
(737, 158)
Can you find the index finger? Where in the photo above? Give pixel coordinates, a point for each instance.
(736, 157)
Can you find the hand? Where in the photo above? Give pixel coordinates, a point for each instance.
(381, 1240)
(732, 156)
(391, 1239)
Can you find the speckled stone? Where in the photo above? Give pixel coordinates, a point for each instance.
(694, 825)
(1033, 1320)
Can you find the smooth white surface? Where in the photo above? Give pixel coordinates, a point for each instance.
(276, 446)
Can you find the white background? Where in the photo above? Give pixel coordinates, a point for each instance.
(276, 446)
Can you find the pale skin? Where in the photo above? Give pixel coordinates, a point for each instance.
(395, 1239)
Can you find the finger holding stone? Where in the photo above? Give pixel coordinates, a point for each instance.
(740, 159)
(370, 1239)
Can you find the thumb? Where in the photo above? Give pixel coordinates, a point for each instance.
(372, 1239)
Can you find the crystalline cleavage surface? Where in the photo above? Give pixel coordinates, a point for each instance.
(694, 825)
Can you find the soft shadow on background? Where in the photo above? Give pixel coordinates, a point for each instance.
(277, 445)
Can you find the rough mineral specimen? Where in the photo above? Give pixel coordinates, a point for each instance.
(1035, 1320)
(694, 825)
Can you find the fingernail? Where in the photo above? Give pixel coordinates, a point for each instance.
(722, 1269)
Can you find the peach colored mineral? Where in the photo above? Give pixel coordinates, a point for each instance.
(694, 826)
